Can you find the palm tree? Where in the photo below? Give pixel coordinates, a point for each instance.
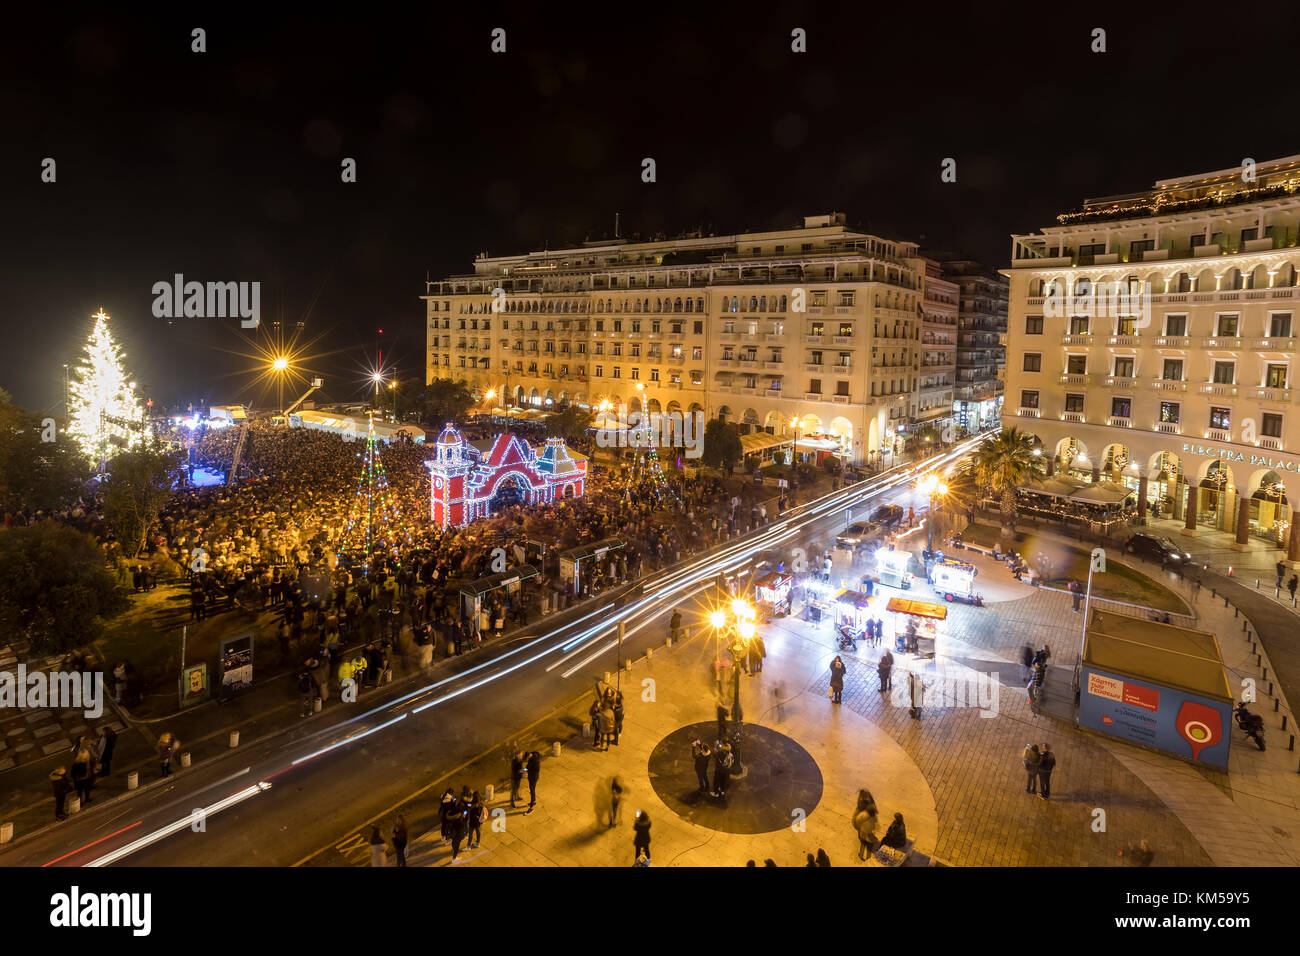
(1002, 465)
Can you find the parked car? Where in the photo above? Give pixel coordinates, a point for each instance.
(860, 534)
(888, 515)
(1156, 547)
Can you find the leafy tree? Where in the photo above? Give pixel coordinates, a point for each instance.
(136, 490)
(1003, 464)
(722, 448)
(55, 589)
(571, 423)
(36, 473)
(444, 401)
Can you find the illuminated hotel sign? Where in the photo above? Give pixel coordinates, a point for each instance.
(1228, 454)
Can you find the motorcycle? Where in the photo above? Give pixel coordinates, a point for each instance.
(1252, 725)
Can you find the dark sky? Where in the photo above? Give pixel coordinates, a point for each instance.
(225, 165)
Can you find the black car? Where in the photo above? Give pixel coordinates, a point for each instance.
(859, 535)
(1156, 547)
(888, 515)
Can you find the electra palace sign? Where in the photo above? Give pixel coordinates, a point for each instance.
(1228, 454)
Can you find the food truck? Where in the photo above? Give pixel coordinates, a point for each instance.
(852, 609)
(892, 568)
(917, 632)
(955, 580)
(772, 592)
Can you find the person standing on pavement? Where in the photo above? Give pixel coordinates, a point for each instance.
(534, 768)
(866, 819)
(1026, 663)
(399, 839)
(517, 773)
(1281, 573)
(1291, 586)
(885, 669)
(166, 747)
(1033, 760)
(1046, 764)
(837, 680)
(641, 836)
(107, 744)
(619, 713)
(378, 850)
(1076, 594)
(616, 789)
(444, 813)
(62, 787)
(606, 725)
(456, 826)
(722, 764)
(701, 754)
(675, 624)
(757, 651)
(475, 816)
(81, 775)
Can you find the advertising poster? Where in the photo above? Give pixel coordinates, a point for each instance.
(194, 684)
(1175, 721)
(236, 664)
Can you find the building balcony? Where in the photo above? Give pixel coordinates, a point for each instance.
(676, 337)
(773, 336)
(750, 362)
(840, 399)
(675, 359)
(1070, 378)
(813, 396)
(1066, 340)
(843, 340)
(774, 365)
(814, 340)
(1169, 428)
(1221, 342)
(1273, 345)
(1123, 340)
(1119, 421)
(1265, 394)
(1219, 434)
(1168, 385)
(1213, 388)
(750, 337)
(815, 368)
(597, 335)
(1274, 443)
(1120, 382)
(844, 310)
(1173, 342)
(1029, 413)
(727, 362)
(1075, 418)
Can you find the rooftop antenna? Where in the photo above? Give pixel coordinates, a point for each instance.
(615, 225)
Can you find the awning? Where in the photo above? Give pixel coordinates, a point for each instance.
(772, 580)
(593, 550)
(499, 580)
(761, 441)
(917, 608)
(852, 598)
(1163, 653)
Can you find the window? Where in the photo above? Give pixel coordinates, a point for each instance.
(1029, 398)
(1197, 240)
(697, 377)
(1279, 325)
(654, 375)
(842, 388)
(1227, 325)
(1271, 425)
(617, 349)
(1224, 372)
(600, 371)
(818, 329)
(1175, 325)
(1173, 370)
(618, 325)
(819, 298)
(1090, 249)
(600, 348)
(1123, 366)
(1078, 325)
(636, 374)
(1275, 376)
(846, 328)
(1169, 412)
(618, 372)
(1139, 246)
(846, 298)
(699, 328)
(1073, 402)
(655, 323)
(815, 358)
(845, 359)
(1121, 407)
(697, 353)
(1034, 325)
(1124, 325)
(1220, 417)
(636, 350)
(600, 325)
(1075, 364)
(815, 386)
(1034, 362)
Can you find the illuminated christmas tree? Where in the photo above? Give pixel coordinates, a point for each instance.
(375, 524)
(105, 416)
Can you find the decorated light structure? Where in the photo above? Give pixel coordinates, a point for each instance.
(104, 413)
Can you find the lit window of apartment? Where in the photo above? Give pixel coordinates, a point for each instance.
(1029, 398)
(1170, 413)
(654, 375)
(1220, 417)
(818, 329)
(1121, 407)
(1227, 325)
(1173, 370)
(846, 328)
(1078, 324)
(1275, 376)
(697, 352)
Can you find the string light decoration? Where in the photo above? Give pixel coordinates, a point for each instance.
(375, 523)
(105, 416)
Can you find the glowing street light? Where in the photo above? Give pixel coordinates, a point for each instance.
(280, 364)
(932, 486)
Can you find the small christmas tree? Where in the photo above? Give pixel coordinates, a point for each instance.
(104, 413)
(375, 523)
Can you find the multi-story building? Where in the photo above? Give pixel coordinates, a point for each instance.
(1185, 394)
(981, 357)
(814, 331)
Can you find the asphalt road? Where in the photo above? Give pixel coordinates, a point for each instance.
(276, 801)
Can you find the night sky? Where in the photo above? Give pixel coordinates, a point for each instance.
(225, 165)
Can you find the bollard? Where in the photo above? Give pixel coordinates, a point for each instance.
(6, 832)
(629, 665)
(315, 705)
(1261, 660)
(489, 792)
(1236, 612)
(586, 729)
(555, 749)
(1243, 627)
(669, 642)
(1292, 747)
(234, 739)
(1225, 602)
(185, 759)
(606, 677)
(73, 805)
(1257, 584)
(1277, 702)
(133, 779)
(1284, 716)
(649, 652)
(1270, 688)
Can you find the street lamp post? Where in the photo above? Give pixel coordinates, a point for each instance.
(740, 626)
(935, 489)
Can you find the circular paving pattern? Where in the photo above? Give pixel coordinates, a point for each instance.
(780, 777)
